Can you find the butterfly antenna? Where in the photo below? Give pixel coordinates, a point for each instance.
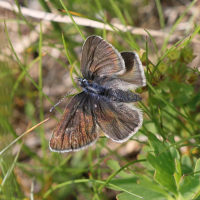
(60, 100)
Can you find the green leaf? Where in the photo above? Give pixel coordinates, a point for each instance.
(172, 107)
(165, 169)
(194, 101)
(178, 172)
(131, 186)
(181, 92)
(174, 153)
(155, 143)
(188, 187)
(152, 186)
(197, 167)
(114, 165)
(146, 165)
(164, 164)
(171, 138)
(186, 164)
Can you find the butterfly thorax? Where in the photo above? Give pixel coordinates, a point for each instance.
(91, 87)
(111, 94)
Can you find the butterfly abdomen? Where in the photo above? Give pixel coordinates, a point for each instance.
(122, 96)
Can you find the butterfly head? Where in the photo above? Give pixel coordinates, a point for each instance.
(82, 82)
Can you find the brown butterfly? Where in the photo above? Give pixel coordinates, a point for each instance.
(105, 100)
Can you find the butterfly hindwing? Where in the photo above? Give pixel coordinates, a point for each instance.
(134, 71)
(77, 128)
(119, 121)
(132, 78)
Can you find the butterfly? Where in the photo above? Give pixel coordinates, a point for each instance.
(106, 99)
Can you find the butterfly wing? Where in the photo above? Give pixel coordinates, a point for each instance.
(132, 78)
(102, 63)
(77, 128)
(100, 58)
(134, 71)
(119, 121)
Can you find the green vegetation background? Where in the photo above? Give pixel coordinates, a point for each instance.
(167, 166)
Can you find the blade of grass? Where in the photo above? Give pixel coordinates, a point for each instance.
(188, 138)
(71, 75)
(32, 189)
(178, 121)
(128, 17)
(160, 13)
(25, 148)
(154, 118)
(13, 165)
(94, 186)
(43, 140)
(45, 6)
(168, 104)
(191, 21)
(34, 83)
(120, 16)
(23, 135)
(120, 33)
(72, 64)
(175, 25)
(154, 43)
(196, 31)
(59, 166)
(59, 61)
(168, 51)
(100, 9)
(72, 19)
(145, 110)
(113, 152)
(21, 76)
(22, 16)
(98, 149)
(85, 181)
(117, 172)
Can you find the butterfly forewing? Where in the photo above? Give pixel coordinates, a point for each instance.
(77, 128)
(99, 58)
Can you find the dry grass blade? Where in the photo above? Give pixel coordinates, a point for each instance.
(86, 22)
(23, 135)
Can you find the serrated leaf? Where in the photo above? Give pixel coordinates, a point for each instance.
(166, 180)
(114, 165)
(163, 162)
(152, 186)
(165, 169)
(131, 186)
